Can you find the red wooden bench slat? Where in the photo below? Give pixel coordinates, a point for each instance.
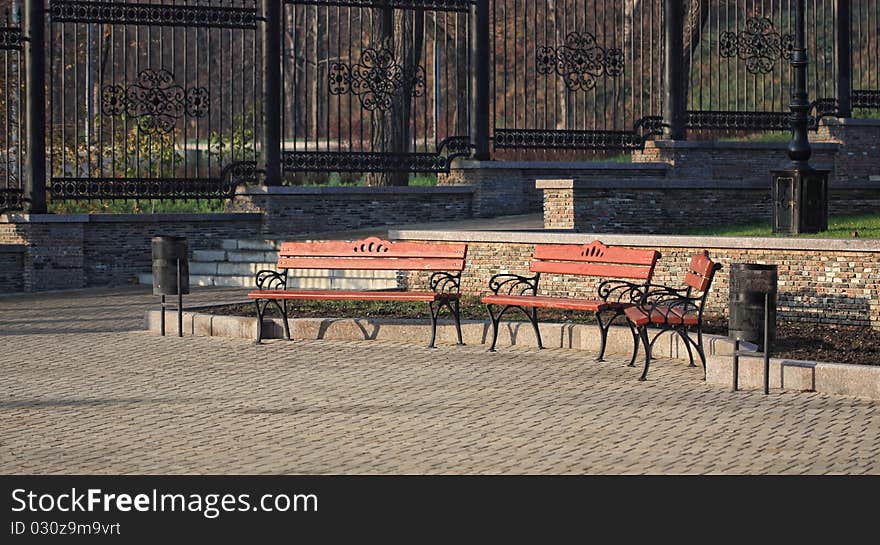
(343, 295)
(595, 252)
(371, 263)
(372, 247)
(547, 302)
(699, 269)
(592, 269)
(696, 281)
(701, 264)
(660, 315)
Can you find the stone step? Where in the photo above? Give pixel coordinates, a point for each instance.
(262, 245)
(237, 263)
(355, 280)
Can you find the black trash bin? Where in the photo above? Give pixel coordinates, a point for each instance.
(171, 274)
(167, 252)
(753, 312)
(749, 282)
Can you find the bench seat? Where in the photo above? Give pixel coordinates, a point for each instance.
(540, 301)
(619, 274)
(445, 262)
(660, 315)
(352, 295)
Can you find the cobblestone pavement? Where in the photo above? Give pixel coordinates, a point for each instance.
(84, 390)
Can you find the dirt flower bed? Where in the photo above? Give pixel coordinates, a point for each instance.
(840, 344)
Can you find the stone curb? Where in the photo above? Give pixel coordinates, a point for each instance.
(652, 241)
(831, 378)
(811, 376)
(554, 335)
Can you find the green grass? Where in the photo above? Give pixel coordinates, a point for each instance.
(129, 206)
(867, 226)
(334, 179)
(769, 136)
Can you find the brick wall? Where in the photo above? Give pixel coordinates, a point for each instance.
(622, 208)
(117, 248)
(504, 188)
(859, 141)
(816, 285)
(738, 162)
(11, 268)
(68, 251)
(293, 211)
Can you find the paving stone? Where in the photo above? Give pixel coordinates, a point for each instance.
(83, 389)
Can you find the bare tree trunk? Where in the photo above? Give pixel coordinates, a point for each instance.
(401, 32)
(695, 19)
(559, 88)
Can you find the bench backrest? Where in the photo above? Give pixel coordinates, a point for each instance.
(701, 269)
(372, 254)
(595, 259)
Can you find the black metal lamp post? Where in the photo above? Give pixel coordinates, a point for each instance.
(800, 193)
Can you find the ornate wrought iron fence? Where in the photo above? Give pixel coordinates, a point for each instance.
(11, 111)
(737, 53)
(152, 100)
(865, 40)
(186, 98)
(376, 86)
(571, 74)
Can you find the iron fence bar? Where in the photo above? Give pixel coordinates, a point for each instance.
(674, 98)
(843, 17)
(272, 91)
(35, 55)
(480, 31)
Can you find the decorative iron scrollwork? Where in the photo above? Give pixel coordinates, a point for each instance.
(10, 38)
(445, 282)
(376, 79)
(514, 284)
(221, 187)
(736, 121)
(580, 61)
(432, 5)
(866, 99)
(11, 200)
(133, 13)
(155, 101)
(363, 161)
(756, 121)
(759, 45)
(603, 140)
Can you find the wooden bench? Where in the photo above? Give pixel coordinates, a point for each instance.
(372, 254)
(679, 310)
(614, 294)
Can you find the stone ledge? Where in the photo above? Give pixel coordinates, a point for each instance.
(722, 145)
(554, 335)
(810, 376)
(851, 121)
(651, 241)
(685, 183)
(831, 378)
(559, 165)
(128, 218)
(358, 190)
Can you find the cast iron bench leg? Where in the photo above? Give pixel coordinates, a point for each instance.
(643, 333)
(259, 321)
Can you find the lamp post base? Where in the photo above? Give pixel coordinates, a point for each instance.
(800, 200)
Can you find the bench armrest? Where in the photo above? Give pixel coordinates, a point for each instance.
(620, 291)
(445, 282)
(676, 299)
(271, 280)
(514, 284)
